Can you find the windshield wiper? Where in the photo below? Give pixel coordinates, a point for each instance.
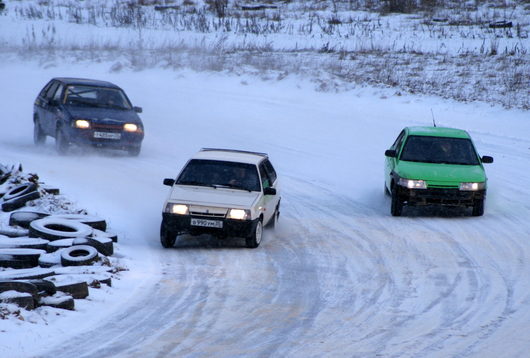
(231, 186)
(196, 183)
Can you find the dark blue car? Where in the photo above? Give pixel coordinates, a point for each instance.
(87, 113)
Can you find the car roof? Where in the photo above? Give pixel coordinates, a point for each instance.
(230, 155)
(438, 132)
(85, 81)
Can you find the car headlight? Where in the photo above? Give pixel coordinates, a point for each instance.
(82, 124)
(130, 127)
(238, 214)
(472, 186)
(179, 209)
(412, 184)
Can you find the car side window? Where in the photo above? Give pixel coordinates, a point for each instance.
(265, 180)
(57, 95)
(270, 170)
(51, 91)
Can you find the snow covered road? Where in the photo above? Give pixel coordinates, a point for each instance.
(339, 277)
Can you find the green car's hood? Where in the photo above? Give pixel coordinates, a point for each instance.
(441, 174)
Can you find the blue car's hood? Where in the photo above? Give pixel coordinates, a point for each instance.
(104, 115)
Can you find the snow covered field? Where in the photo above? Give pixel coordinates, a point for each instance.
(339, 278)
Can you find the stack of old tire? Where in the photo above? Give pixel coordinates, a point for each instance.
(48, 259)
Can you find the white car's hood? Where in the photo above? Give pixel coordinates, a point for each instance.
(207, 196)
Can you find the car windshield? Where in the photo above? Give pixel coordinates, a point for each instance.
(445, 150)
(220, 174)
(92, 96)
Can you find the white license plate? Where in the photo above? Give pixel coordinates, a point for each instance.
(107, 135)
(207, 223)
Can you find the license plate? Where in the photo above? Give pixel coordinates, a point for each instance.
(207, 223)
(107, 135)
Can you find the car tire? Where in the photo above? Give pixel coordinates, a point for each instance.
(52, 228)
(19, 191)
(23, 218)
(20, 286)
(78, 255)
(478, 207)
(254, 239)
(39, 138)
(396, 206)
(93, 221)
(167, 238)
(134, 151)
(20, 201)
(61, 142)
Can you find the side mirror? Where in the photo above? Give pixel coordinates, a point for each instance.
(390, 153)
(138, 109)
(53, 102)
(269, 191)
(169, 182)
(486, 159)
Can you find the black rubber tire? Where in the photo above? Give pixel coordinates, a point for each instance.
(255, 237)
(55, 245)
(19, 201)
(79, 255)
(39, 138)
(52, 228)
(32, 273)
(23, 218)
(24, 254)
(102, 244)
(105, 234)
(18, 263)
(167, 239)
(134, 151)
(45, 287)
(93, 221)
(19, 191)
(396, 205)
(478, 207)
(20, 286)
(63, 302)
(77, 290)
(23, 243)
(26, 302)
(61, 143)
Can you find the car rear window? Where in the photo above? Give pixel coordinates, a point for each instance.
(218, 173)
(445, 150)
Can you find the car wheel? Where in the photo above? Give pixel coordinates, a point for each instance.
(167, 238)
(396, 206)
(478, 207)
(61, 142)
(254, 239)
(134, 151)
(39, 138)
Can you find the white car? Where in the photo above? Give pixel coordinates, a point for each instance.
(222, 192)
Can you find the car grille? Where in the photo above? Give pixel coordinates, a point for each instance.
(107, 127)
(208, 211)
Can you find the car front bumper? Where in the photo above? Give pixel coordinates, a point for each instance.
(439, 196)
(181, 224)
(86, 137)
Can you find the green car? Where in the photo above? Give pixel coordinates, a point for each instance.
(435, 166)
